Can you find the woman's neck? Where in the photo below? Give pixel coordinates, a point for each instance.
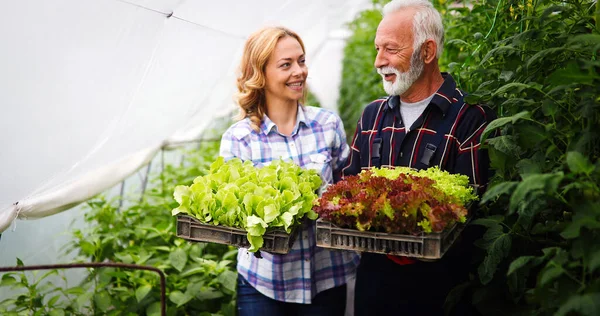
(283, 114)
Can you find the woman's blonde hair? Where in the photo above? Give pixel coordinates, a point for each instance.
(252, 80)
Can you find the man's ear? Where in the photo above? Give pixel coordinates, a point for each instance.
(429, 51)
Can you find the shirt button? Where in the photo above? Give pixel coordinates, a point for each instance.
(292, 144)
(400, 154)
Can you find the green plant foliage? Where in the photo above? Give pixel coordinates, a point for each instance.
(238, 194)
(535, 62)
(200, 277)
(360, 82)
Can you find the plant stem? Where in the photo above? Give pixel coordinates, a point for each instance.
(566, 272)
(597, 15)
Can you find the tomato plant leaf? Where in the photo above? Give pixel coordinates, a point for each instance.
(579, 164)
(178, 259)
(142, 291)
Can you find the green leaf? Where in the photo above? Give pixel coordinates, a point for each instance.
(594, 261)
(256, 242)
(501, 50)
(519, 263)
(498, 190)
(531, 135)
(533, 183)
(288, 219)
(497, 123)
(142, 291)
(8, 280)
(102, 301)
(527, 167)
(220, 161)
(255, 226)
(518, 103)
(44, 276)
(271, 213)
(585, 39)
(178, 259)
(153, 309)
(228, 280)
(53, 301)
(125, 258)
(543, 54)
(586, 216)
(587, 304)
(506, 75)
(487, 222)
(75, 291)
(550, 273)
(498, 247)
(579, 164)
(192, 271)
(513, 87)
(57, 312)
(208, 294)
(505, 144)
(182, 194)
(179, 298)
(84, 299)
(312, 215)
(162, 248)
(569, 75)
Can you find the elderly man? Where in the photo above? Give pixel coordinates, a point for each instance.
(424, 122)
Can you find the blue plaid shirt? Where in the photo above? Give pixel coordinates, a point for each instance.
(317, 142)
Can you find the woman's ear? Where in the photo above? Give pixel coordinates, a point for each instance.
(429, 51)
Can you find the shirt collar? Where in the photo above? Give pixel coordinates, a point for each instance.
(267, 126)
(442, 98)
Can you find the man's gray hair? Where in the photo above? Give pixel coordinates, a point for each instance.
(427, 23)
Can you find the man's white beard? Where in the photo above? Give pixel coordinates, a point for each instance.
(404, 80)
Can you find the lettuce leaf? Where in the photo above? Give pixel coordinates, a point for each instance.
(238, 194)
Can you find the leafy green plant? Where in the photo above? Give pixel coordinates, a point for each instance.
(40, 293)
(536, 63)
(238, 194)
(395, 201)
(537, 66)
(201, 278)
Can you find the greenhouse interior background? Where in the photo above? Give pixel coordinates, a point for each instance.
(106, 105)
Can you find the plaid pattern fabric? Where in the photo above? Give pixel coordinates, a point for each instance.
(317, 142)
(458, 152)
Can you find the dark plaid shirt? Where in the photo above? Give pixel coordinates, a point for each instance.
(459, 151)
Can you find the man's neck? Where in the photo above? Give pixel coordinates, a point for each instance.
(429, 83)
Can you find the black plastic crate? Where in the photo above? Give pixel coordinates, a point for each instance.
(425, 246)
(277, 241)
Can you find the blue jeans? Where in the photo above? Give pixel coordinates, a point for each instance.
(250, 302)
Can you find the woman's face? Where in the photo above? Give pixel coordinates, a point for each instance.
(286, 72)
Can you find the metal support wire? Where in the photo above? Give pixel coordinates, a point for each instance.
(162, 170)
(121, 193)
(145, 181)
(163, 286)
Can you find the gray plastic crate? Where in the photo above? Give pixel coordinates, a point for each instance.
(189, 228)
(425, 246)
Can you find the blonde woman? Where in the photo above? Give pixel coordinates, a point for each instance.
(274, 124)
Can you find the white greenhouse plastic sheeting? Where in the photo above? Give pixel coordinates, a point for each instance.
(90, 90)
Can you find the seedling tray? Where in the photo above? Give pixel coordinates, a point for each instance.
(425, 246)
(189, 228)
